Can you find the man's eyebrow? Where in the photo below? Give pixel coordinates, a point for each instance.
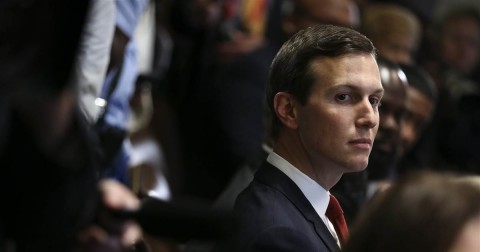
(379, 91)
(354, 88)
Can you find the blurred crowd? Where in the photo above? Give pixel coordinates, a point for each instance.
(167, 98)
(209, 60)
(211, 64)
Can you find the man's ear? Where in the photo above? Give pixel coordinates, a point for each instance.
(284, 105)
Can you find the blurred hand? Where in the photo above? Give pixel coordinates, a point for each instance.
(113, 234)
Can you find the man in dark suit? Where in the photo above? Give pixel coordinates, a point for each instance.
(323, 93)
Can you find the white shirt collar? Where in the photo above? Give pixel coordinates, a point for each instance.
(315, 194)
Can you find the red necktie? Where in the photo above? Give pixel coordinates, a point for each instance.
(335, 215)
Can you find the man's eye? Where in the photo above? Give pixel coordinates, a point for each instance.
(343, 97)
(374, 101)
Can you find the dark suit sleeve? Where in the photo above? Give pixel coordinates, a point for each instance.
(282, 239)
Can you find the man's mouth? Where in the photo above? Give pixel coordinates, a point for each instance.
(362, 143)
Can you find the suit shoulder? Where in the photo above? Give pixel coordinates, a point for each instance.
(263, 206)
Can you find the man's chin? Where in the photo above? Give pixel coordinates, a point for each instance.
(357, 166)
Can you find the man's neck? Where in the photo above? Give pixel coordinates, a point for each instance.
(292, 150)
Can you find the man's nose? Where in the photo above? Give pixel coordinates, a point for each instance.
(368, 115)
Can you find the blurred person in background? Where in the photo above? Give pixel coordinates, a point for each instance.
(148, 164)
(118, 88)
(455, 36)
(94, 56)
(53, 198)
(454, 55)
(395, 31)
(423, 211)
(421, 101)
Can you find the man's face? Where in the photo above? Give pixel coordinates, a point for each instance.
(339, 121)
(392, 112)
(418, 114)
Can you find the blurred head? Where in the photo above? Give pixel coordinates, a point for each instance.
(458, 35)
(394, 30)
(306, 13)
(420, 105)
(324, 90)
(392, 113)
(421, 212)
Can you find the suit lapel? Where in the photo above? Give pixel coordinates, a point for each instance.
(272, 176)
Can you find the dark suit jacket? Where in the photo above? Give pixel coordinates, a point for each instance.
(274, 215)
